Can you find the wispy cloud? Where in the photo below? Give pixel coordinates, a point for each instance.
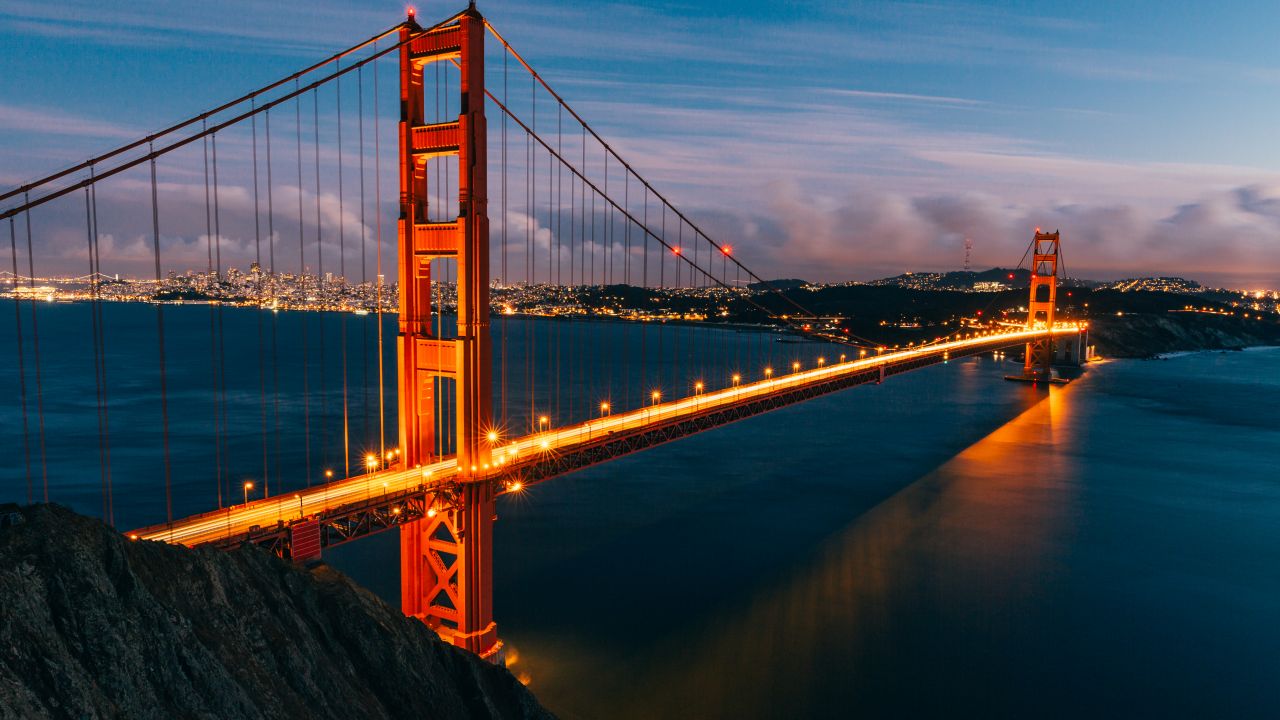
(47, 121)
(905, 97)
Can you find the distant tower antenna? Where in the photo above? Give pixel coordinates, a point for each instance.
(968, 250)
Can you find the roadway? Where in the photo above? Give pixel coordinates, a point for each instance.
(509, 454)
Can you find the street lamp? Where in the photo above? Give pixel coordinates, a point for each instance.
(248, 485)
(768, 372)
(544, 420)
(604, 409)
(370, 462)
(697, 388)
(795, 366)
(736, 379)
(655, 396)
(328, 474)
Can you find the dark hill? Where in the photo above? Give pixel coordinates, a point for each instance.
(95, 626)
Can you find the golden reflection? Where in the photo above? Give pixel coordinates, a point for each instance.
(989, 518)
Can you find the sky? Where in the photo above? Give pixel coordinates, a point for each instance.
(827, 140)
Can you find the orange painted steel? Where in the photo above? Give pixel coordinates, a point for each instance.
(446, 559)
(1042, 305)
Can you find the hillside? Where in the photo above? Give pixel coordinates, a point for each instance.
(95, 626)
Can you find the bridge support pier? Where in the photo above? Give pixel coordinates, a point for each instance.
(446, 558)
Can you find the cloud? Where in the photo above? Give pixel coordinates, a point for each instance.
(42, 121)
(1227, 235)
(907, 97)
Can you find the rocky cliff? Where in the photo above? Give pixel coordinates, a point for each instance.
(93, 625)
(1137, 335)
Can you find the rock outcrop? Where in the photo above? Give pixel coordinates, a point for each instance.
(1135, 335)
(93, 625)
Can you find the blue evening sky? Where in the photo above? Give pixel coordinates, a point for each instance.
(830, 140)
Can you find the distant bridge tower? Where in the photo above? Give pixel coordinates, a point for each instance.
(968, 250)
(446, 558)
(1040, 310)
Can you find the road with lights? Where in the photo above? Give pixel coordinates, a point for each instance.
(509, 456)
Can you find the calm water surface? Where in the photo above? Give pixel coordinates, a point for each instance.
(943, 544)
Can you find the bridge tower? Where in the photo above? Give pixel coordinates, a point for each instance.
(1040, 309)
(446, 558)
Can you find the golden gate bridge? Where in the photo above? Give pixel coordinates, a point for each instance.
(471, 422)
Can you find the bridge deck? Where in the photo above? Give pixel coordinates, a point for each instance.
(397, 495)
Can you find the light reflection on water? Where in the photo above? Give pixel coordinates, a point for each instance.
(1061, 565)
(779, 653)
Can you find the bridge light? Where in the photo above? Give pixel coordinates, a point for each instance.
(395, 510)
(370, 461)
(328, 473)
(604, 409)
(133, 536)
(768, 372)
(655, 395)
(795, 367)
(493, 436)
(515, 486)
(675, 250)
(697, 387)
(431, 512)
(544, 420)
(545, 445)
(822, 361)
(726, 249)
(841, 357)
(390, 455)
(736, 379)
(248, 485)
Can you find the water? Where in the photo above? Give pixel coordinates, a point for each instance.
(944, 544)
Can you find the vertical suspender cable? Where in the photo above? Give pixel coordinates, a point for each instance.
(342, 270)
(96, 257)
(528, 265)
(97, 356)
(644, 296)
(324, 290)
(506, 279)
(531, 176)
(558, 243)
(377, 221)
(164, 380)
(275, 320)
(364, 257)
(221, 400)
(303, 313)
(257, 244)
(22, 363)
(213, 322)
(35, 343)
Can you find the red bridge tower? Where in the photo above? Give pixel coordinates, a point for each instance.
(446, 558)
(1040, 310)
